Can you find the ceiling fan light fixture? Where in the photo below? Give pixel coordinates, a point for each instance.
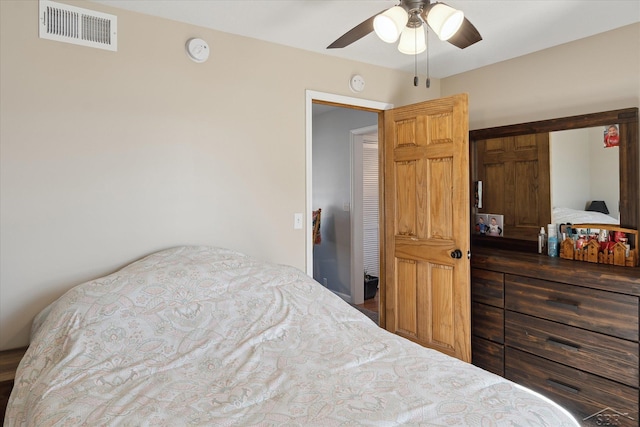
(444, 20)
(389, 24)
(412, 40)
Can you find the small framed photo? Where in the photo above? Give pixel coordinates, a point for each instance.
(495, 226)
(482, 224)
(611, 136)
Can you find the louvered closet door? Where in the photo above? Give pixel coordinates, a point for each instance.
(370, 214)
(426, 193)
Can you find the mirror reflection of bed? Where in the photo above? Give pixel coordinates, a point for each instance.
(583, 171)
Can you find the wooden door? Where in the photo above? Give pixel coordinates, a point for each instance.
(426, 218)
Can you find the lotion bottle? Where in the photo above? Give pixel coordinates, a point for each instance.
(552, 243)
(542, 240)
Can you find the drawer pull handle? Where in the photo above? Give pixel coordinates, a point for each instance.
(563, 386)
(563, 344)
(573, 306)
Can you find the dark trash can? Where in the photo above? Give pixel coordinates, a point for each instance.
(370, 287)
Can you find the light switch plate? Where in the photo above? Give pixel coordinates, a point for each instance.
(297, 221)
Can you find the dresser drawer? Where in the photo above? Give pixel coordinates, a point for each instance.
(581, 393)
(488, 322)
(595, 310)
(609, 357)
(488, 355)
(487, 287)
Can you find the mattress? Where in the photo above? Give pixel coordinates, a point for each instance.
(574, 216)
(211, 337)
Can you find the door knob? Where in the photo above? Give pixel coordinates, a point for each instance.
(456, 254)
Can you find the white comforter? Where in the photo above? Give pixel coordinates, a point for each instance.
(574, 216)
(203, 336)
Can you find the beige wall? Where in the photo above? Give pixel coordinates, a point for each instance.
(106, 157)
(594, 74)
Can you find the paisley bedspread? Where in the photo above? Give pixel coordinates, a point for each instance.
(210, 337)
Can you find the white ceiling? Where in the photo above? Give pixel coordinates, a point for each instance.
(510, 28)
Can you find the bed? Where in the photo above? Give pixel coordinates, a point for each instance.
(560, 215)
(208, 336)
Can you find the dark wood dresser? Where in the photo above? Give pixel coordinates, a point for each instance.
(566, 329)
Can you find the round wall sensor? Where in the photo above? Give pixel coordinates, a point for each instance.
(197, 49)
(356, 83)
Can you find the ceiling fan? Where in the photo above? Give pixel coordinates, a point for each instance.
(406, 20)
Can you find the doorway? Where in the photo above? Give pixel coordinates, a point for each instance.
(365, 218)
(340, 271)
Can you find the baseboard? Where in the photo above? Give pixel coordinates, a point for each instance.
(345, 297)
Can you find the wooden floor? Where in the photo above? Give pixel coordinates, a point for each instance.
(371, 304)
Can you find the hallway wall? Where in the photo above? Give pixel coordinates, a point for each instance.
(331, 191)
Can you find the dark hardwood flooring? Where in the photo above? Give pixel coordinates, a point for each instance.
(371, 303)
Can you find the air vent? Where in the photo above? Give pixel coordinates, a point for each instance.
(75, 25)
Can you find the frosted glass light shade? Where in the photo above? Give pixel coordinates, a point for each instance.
(444, 20)
(389, 24)
(412, 41)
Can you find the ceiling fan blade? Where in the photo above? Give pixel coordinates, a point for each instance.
(354, 34)
(466, 35)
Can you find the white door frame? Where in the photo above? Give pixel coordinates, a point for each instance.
(346, 102)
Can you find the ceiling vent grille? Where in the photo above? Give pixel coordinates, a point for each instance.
(75, 25)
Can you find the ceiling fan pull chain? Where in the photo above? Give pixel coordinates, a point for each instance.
(427, 40)
(415, 58)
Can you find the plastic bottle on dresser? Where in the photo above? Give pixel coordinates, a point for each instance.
(542, 241)
(552, 243)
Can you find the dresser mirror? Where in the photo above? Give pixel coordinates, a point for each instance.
(582, 170)
(529, 169)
